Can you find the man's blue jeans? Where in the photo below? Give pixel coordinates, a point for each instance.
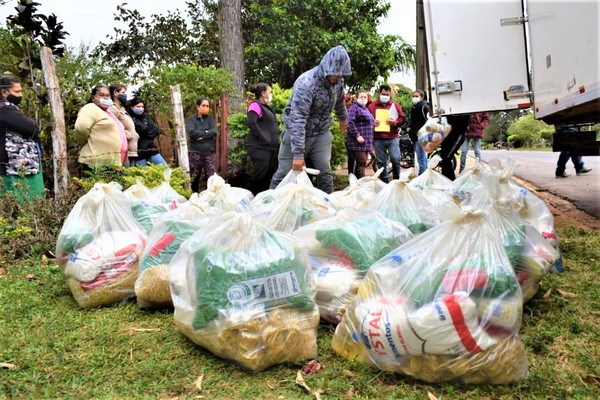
(421, 158)
(564, 156)
(155, 159)
(465, 149)
(382, 148)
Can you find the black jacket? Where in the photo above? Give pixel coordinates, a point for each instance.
(264, 129)
(13, 120)
(148, 131)
(418, 117)
(202, 131)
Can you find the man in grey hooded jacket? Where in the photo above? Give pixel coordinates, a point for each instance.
(307, 118)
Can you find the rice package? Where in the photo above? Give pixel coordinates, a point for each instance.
(432, 133)
(245, 293)
(445, 306)
(99, 246)
(223, 196)
(152, 285)
(342, 249)
(165, 193)
(146, 208)
(292, 205)
(403, 203)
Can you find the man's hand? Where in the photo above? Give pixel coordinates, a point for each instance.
(343, 126)
(391, 122)
(297, 165)
(377, 122)
(360, 139)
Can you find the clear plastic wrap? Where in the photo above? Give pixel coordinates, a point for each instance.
(245, 293)
(223, 196)
(295, 204)
(342, 249)
(99, 246)
(165, 193)
(433, 132)
(445, 306)
(152, 285)
(146, 207)
(353, 196)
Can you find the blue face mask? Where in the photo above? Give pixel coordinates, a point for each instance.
(106, 102)
(138, 111)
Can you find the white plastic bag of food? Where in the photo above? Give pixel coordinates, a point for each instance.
(99, 246)
(245, 293)
(146, 207)
(221, 195)
(165, 193)
(433, 132)
(445, 306)
(295, 204)
(342, 250)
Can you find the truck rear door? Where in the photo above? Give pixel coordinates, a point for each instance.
(476, 54)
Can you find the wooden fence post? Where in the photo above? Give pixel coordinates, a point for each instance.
(181, 137)
(223, 159)
(59, 134)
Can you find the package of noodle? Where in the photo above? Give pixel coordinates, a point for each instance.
(432, 133)
(342, 249)
(245, 293)
(408, 205)
(445, 306)
(531, 256)
(165, 192)
(146, 207)
(152, 285)
(292, 204)
(99, 246)
(223, 196)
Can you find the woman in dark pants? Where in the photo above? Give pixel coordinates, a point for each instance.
(452, 143)
(262, 143)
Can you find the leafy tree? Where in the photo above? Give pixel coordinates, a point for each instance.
(529, 132)
(501, 120)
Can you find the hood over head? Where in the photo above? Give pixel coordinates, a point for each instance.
(336, 62)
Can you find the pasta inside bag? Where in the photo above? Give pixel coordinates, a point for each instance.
(99, 246)
(152, 285)
(223, 196)
(245, 293)
(445, 306)
(293, 204)
(342, 249)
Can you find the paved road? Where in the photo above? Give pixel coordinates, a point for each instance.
(538, 168)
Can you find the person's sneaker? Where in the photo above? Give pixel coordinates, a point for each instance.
(563, 175)
(583, 171)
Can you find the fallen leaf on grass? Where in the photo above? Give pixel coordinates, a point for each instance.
(593, 379)
(301, 382)
(547, 294)
(312, 367)
(567, 295)
(144, 330)
(431, 396)
(29, 276)
(7, 365)
(3, 272)
(199, 382)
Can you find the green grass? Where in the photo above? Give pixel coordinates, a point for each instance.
(61, 351)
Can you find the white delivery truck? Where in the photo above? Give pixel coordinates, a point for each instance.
(493, 55)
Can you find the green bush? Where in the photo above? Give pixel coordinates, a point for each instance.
(528, 132)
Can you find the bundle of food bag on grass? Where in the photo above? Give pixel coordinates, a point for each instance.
(353, 196)
(445, 306)
(166, 194)
(531, 256)
(469, 181)
(408, 205)
(531, 208)
(245, 293)
(152, 285)
(99, 246)
(342, 249)
(146, 207)
(433, 133)
(223, 196)
(295, 202)
(436, 186)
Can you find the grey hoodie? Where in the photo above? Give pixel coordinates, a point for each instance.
(308, 112)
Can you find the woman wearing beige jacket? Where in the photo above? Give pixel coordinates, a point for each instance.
(119, 98)
(99, 133)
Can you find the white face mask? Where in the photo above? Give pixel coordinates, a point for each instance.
(416, 100)
(269, 98)
(361, 102)
(384, 98)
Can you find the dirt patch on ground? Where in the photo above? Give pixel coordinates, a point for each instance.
(564, 212)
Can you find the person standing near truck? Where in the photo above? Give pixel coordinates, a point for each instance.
(563, 157)
(477, 123)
